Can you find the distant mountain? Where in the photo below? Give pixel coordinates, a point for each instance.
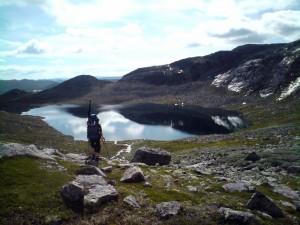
(249, 69)
(26, 85)
(74, 88)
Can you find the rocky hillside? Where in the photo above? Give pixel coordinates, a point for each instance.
(260, 69)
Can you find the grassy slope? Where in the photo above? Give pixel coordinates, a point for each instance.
(30, 193)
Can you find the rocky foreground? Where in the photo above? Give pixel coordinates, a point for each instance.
(255, 181)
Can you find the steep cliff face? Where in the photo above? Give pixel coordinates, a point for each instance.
(248, 69)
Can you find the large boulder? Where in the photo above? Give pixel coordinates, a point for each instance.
(133, 174)
(237, 217)
(262, 203)
(152, 156)
(73, 195)
(168, 209)
(88, 191)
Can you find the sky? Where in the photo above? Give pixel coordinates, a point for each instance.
(45, 39)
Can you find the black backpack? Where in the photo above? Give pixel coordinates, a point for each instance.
(93, 131)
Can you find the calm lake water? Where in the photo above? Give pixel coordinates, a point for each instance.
(145, 121)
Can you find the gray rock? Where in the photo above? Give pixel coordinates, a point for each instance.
(262, 203)
(252, 157)
(90, 170)
(168, 209)
(192, 188)
(147, 184)
(100, 194)
(241, 187)
(90, 180)
(130, 200)
(294, 169)
(237, 217)
(152, 156)
(14, 149)
(133, 174)
(73, 195)
(286, 191)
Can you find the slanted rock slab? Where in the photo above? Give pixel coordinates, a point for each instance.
(287, 192)
(133, 174)
(90, 170)
(262, 203)
(168, 209)
(152, 156)
(100, 194)
(237, 217)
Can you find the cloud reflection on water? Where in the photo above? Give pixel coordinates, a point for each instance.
(115, 126)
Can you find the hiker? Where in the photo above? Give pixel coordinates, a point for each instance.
(94, 134)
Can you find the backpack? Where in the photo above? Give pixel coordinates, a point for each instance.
(93, 128)
(93, 132)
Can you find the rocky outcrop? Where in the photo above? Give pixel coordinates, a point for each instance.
(14, 149)
(287, 192)
(152, 156)
(249, 69)
(262, 203)
(133, 174)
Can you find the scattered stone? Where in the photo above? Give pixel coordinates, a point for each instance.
(286, 191)
(252, 157)
(241, 187)
(262, 203)
(130, 200)
(237, 217)
(133, 174)
(192, 188)
(168, 209)
(90, 170)
(107, 169)
(73, 195)
(294, 170)
(152, 156)
(112, 182)
(147, 184)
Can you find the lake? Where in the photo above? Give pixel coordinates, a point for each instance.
(142, 121)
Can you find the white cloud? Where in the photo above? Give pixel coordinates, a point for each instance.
(283, 23)
(31, 47)
(110, 37)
